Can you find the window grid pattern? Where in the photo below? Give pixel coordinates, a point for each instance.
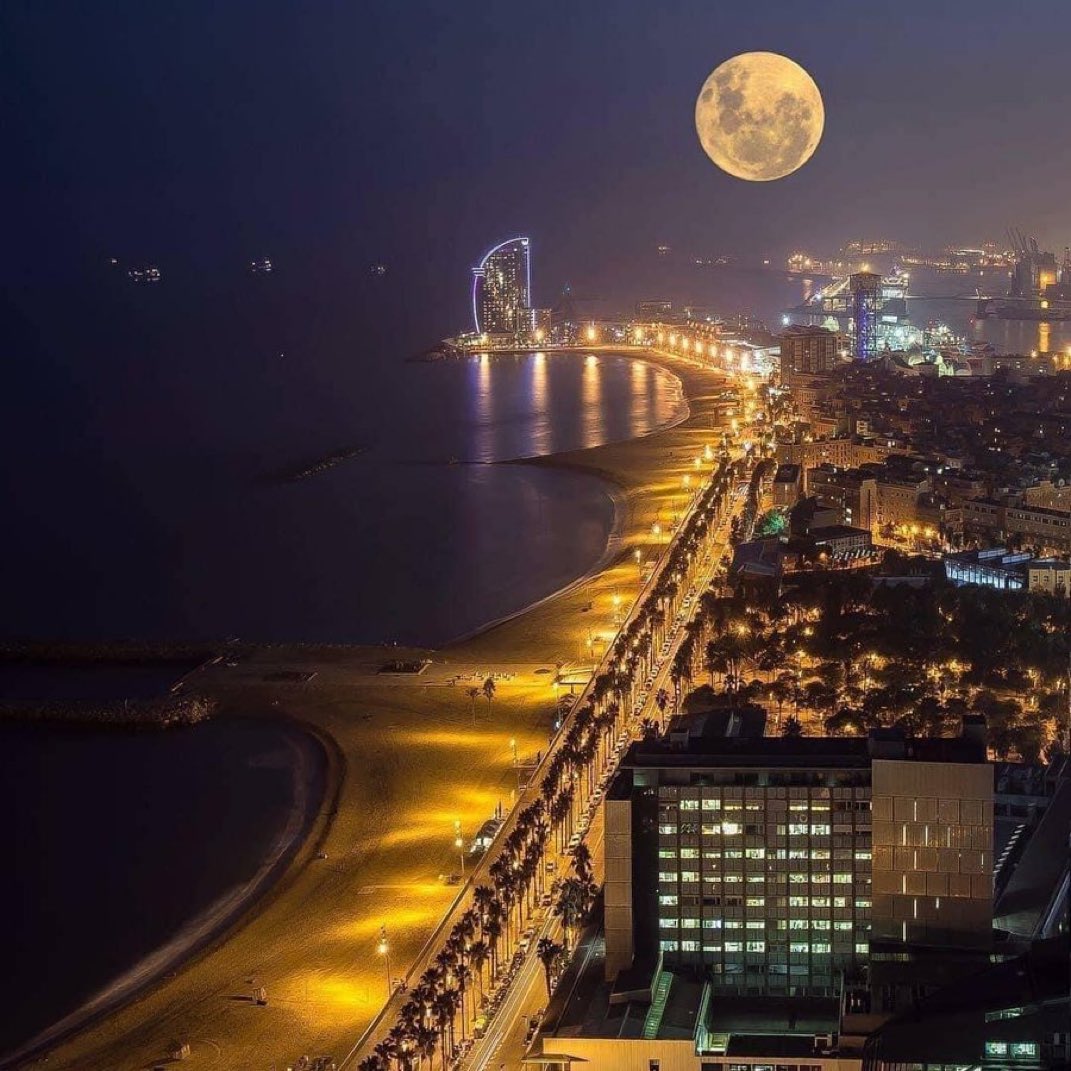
(768, 888)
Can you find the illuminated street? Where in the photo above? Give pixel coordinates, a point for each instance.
(409, 764)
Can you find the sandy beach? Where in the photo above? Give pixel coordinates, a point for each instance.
(410, 756)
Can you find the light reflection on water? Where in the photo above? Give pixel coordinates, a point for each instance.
(543, 403)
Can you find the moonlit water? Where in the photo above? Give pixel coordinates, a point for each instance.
(152, 426)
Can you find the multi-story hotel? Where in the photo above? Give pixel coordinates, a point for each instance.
(502, 288)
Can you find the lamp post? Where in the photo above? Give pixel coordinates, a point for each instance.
(383, 948)
(459, 844)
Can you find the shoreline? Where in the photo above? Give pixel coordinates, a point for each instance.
(410, 756)
(196, 653)
(318, 774)
(614, 488)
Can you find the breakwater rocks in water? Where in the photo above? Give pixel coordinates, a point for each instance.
(163, 712)
(316, 465)
(125, 653)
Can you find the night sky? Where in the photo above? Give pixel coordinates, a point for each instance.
(417, 133)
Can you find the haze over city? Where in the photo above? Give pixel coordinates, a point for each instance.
(536, 536)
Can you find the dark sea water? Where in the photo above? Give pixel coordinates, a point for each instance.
(145, 430)
(115, 841)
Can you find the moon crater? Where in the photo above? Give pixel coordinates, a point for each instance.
(759, 116)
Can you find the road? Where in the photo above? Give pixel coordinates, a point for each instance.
(381, 1025)
(504, 1044)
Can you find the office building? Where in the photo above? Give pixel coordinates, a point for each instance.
(502, 288)
(754, 859)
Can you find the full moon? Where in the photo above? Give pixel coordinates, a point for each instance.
(759, 116)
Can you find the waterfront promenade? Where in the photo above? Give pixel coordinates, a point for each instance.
(410, 757)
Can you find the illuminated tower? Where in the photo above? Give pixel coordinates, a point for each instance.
(502, 288)
(866, 309)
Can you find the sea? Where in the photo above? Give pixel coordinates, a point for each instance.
(226, 455)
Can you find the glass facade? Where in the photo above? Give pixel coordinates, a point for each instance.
(501, 288)
(766, 887)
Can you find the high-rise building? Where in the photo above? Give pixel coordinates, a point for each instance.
(810, 351)
(769, 863)
(502, 288)
(808, 358)
(865, 287)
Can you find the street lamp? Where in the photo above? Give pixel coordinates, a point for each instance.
(383, 948)
(459, 844)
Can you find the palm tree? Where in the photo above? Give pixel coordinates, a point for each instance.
(489, 690)
(662, 701)
(582, 862)
(473, 693)
(548, 952)
(492, 932)
(478, 954)
(572, 905)
(792, 727)
(427, 1041)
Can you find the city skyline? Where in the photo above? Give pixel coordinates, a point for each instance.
(417, 658)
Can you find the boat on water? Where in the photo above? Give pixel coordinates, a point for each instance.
(149, 274)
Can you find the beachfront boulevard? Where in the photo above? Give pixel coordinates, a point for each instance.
(553, 935)
(555, 827)
(420, 760)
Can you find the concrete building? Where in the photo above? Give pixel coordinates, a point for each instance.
(897, 499)
(787, 486)
(1049, 529)
(808, 360)
(807, 351)
(841, 541)
(1049, 576)
(1048, 495)
(851, 491)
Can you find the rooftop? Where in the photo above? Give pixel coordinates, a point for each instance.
(733, 738)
